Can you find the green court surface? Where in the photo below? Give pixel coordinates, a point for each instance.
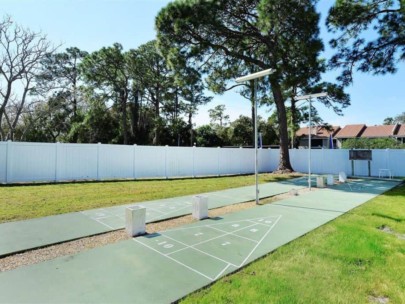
(166, 266)
(24, 235)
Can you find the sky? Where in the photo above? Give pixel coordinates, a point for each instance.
(93, 24)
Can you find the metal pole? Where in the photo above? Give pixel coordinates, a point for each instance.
(309, 147)
(256, 158)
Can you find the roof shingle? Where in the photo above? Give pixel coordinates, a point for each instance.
(350, 131)
(320, 132)
(379, 131)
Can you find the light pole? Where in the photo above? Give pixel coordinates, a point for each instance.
(254, 77)
(309, 98)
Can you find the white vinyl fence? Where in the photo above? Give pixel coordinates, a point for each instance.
(37, 162)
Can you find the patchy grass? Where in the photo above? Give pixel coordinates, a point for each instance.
(30, 201)
(349, 260)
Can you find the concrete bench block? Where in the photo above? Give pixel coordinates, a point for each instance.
(135, 220)
(200, 207)
(329, 180)
(320, 181)
(342, 177)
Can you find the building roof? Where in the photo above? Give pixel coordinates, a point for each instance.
(319, 131)
(380, 131)
(401, 131)
(351, 131)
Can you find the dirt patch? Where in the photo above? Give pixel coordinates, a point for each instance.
(378, 300)
(386, 229)
(73, 247)
(389, 230)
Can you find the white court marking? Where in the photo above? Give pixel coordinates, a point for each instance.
(169, 242)
(101, 215)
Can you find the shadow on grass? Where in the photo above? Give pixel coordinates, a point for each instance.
(396, 219)
(107, 181)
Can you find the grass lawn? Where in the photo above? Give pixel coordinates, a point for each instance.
(348, 260)
(30, 201)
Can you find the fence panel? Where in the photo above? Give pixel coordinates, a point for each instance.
(206, 161)
(150, 161)
(396, 161)
(246, 160)
(3, 162)
(115, 161)
(179, 161)
(264, 160)
(231, 160)
(299, 160)
(77, 162)
(335, 161)
(31, 162)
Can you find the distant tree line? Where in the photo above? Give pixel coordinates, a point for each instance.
(108, 96)
(372, 143)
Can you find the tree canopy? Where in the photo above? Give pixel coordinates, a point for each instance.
(229, 38)
(370, 36)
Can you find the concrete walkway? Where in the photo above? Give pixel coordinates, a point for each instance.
(164, 267)
(24, 235)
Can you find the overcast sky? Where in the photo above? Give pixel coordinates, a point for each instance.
(92, 24)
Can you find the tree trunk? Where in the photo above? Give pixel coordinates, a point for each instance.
(3, 108)
(124, 123)
(284, 165)
(190, 123)
(293, 122)
(157, 122)
(135, 115)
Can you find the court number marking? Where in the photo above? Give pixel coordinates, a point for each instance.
(166, 245)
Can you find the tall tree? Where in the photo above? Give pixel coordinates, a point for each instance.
(370, 36)
(21, 53)
(154, 79)
(108, 70)
(218, 116)
(252, 34)
(399, 119)
(60, 73)
(192, 92)
(48, 121)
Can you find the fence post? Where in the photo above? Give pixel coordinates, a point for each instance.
(193, 151)
(387, 151)
(240, 163)
(8, 160)
(219, 153)
(166, 148)
(98, 160)
(134, 163)
(323, 162)
(56, 160)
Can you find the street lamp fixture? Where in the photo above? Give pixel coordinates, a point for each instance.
(309, 99)
(254, 77)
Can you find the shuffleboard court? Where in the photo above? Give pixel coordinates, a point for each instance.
(29, 234)
(166, 266)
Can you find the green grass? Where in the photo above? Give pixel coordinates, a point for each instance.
(347, 260)
(30, 201)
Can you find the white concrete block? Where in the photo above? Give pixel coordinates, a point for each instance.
(135, 220)
(200, 207)
(329, 180)
(342, 177)
(320, 181)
